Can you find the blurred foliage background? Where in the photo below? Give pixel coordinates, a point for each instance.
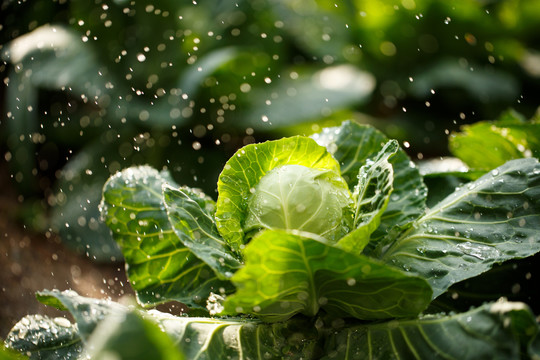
(91, 87)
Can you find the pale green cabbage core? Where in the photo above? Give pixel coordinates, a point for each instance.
(296, 197)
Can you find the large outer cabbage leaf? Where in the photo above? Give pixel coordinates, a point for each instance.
(290, 272)
(158, 265)
(488, 221)
(197, 337)
(247, 166)
(352, 144)
(127, 335)
(501, 330)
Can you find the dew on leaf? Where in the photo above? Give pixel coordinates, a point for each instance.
(478, 251)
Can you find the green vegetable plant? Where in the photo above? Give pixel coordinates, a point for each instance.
(317, 247)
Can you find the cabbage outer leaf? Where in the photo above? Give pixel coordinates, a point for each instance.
(160, 268)
(291, 272)
(195, 337)
(488, 221)
(501, 330)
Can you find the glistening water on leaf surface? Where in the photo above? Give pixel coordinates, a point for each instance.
(487, 221)
(352, 284)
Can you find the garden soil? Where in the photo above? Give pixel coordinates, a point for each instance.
(31, 261)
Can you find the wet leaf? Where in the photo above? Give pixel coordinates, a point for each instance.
(371, 196)
(501, 330)
(196, 337)
(488, 221)
(352, 144)
(159, 266)
(289, 272)
(42, 337)
(196, 228)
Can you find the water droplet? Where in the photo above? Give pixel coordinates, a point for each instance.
(478, 251)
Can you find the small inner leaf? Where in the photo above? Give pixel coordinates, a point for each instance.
(488, 221)
(197, 230)
(295, 197)
(352, 145)
(371, 196)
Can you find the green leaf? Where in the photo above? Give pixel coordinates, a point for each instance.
(197, 230)
(9, 354)
(352, 144)
(488, 221)
(371, 196)
(87, 312)
(501, 330)
(247, 166)
(198, 337)
(41, 337)
(507, 138)
(159, 266)
(290, 272)
(212, 338)
(127, 336)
